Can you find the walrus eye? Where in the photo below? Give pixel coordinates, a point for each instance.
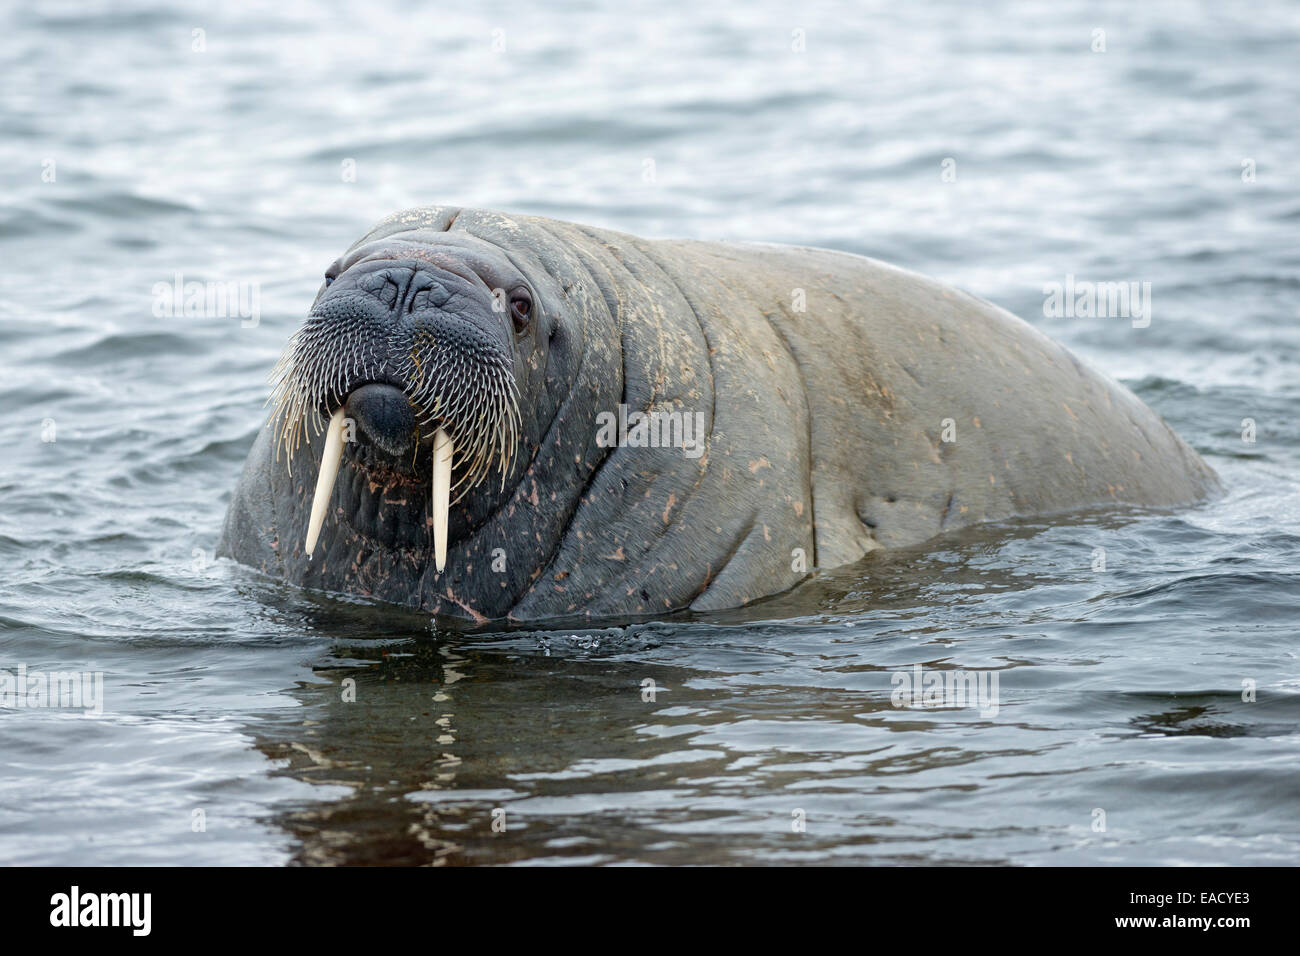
(521, 310)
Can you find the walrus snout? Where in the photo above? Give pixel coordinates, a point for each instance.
(415, 346)
(385, 415)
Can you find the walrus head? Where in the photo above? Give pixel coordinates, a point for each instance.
(417, 348)
(441, 434)
(412, 364)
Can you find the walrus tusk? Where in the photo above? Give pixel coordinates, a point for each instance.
(442, 450)
(329, 469)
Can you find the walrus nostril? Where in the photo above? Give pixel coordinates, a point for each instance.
(385, 415)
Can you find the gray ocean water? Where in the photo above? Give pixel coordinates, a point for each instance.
(1147, 713)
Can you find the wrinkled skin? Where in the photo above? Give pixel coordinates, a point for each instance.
(823, 426)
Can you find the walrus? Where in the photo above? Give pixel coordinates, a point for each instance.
(493, 416)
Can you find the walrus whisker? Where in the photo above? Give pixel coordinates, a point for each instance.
(469, 397)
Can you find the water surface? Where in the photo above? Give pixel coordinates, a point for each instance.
(1120, 690)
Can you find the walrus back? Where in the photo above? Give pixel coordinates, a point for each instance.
(930, 409)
